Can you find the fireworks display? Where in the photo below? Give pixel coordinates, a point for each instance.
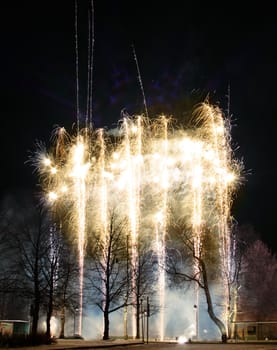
(147, 169)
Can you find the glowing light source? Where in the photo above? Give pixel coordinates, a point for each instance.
(52, 196)
(47, 162)
(182, 339)
(53, 170)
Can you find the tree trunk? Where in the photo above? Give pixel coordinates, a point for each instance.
(50, 307)
(62, 322)
(137, 317)
(35, 315)
(48, 321)
(106, 325)
(36, 305)
(49, 315)
(211, 313)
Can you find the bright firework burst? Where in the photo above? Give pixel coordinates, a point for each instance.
(154, 167)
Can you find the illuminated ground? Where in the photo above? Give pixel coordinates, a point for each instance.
(130, 344)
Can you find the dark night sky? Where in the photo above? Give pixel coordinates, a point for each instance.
(183, 49)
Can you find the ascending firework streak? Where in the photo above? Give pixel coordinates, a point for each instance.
(79, 173)
(162, 220)
(151, 167)
(196, 224)
(133, 131)
(216, 130)
(221, 137)
(103, 201)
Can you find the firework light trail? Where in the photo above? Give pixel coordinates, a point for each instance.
(150, 166)
(217, 130)
(79, 173)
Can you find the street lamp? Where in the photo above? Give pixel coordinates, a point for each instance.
(196, 320)
(76, 310)
(145, 313)
(142, 319)
(147, 319)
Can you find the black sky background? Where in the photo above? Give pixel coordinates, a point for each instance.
(183, 50)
